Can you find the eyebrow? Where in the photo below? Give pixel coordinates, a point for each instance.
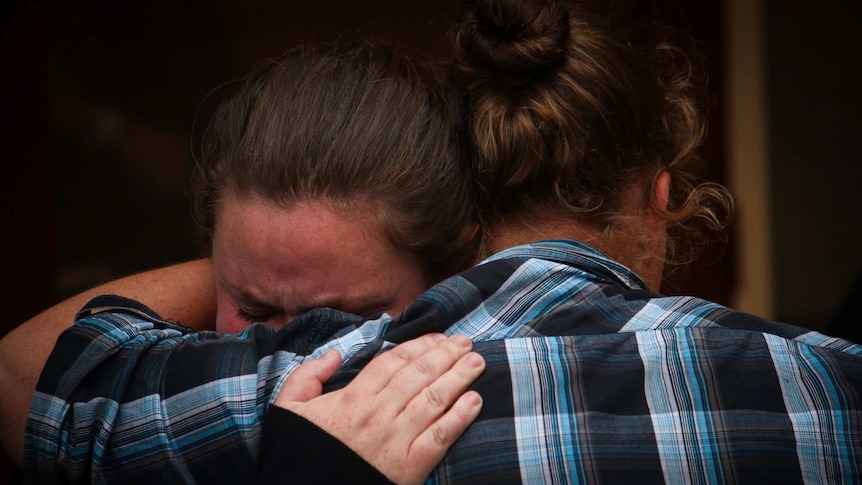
(244, 296)
(372, 305)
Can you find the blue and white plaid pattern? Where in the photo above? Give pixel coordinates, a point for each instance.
(589, 378)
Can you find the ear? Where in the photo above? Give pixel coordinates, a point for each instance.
(656, 226)
(660, 196)
(662, 190)
(652, 213)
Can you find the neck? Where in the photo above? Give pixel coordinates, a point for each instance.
(630, 248)
(504, 235)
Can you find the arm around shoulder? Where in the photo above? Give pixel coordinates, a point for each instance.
(182, 292)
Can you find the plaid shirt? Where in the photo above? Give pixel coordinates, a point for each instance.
(589, 378)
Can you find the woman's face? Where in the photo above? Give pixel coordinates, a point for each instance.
(272, 264)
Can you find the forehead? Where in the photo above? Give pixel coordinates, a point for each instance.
(308, 256)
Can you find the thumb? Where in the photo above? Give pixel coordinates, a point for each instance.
(306, 382)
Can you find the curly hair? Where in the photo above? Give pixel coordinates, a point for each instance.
(569, 109)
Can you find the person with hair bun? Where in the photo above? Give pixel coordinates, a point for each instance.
(573, 121)
(583, 139)
(584, 135)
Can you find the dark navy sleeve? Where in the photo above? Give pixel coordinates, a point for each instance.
(296, 450)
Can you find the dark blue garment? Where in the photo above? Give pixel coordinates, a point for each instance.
(589, 378)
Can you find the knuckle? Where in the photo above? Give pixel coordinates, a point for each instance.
(440, 435)
(365, 421)
(399, 353)
(424, 368)
(434, 397)
(348, 397)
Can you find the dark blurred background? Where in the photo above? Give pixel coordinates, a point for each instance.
(98, 99)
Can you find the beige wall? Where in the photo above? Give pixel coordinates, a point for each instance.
(794, 139)
(747, 154)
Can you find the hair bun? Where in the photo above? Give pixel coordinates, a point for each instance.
(513, 39)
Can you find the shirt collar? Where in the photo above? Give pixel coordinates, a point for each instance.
(574, 253)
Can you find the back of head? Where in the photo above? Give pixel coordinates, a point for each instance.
(569, 110)
(357, 126)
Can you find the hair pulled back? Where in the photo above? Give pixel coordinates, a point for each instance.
(357, 126)
(567, 112)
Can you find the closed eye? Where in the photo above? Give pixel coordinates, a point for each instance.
(253, 317)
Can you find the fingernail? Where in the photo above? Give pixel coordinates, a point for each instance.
(461, 341)
(474, 360)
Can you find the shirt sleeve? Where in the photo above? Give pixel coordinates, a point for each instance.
(127, 394)
(295, 450)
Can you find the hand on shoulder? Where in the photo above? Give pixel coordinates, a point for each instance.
(403, 411)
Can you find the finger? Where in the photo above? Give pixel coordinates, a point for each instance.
(380, 371)
(306, 382)
(416, 378)
(438, 396)
(430, 447)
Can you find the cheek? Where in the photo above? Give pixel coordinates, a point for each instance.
(226, 319)
(412, 283)
(416, 287)
(230, 325)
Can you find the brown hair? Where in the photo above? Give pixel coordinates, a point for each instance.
(357, 126)
(567, 112)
